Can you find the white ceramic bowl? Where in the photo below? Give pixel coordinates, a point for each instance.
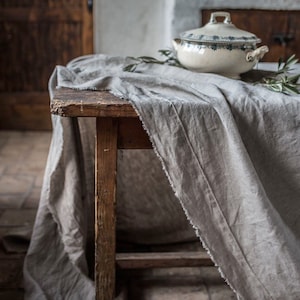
(219, 47)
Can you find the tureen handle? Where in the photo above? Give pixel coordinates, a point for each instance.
(257, 54)
(176, 43)
(224, 14)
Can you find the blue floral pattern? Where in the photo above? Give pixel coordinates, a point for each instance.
(188, 36)
(216, 46)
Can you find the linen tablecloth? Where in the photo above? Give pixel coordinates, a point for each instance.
(225, 169)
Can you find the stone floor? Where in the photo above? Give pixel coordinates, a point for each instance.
(22, 161)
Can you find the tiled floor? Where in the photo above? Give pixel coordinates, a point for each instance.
(22, 161)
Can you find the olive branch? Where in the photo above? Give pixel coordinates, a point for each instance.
(282, 81)
(170, 59)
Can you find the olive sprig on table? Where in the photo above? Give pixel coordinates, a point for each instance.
(170, 60)
(282, 81)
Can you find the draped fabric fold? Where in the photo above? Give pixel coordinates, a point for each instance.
(225, 167)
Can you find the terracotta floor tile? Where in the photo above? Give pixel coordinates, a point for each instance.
(153, 292)
(211, 276)
(33, 198)
(4, 163)
(15, 184)
(218, 292)
(17, 217)
(168, 284)
(12, 294)
(11, 272)
(2, 168)
(30, 157)
(23, 157)
(8, 201)
(11, 150)
(38, 182)
(3, 139)
(19, 145)
(30, 166)
(3, 231)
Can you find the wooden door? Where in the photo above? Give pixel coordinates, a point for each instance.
(35, 36)
(279, 30)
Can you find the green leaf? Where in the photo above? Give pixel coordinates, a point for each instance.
(294, 79)
(277, 87)
(283, 82)
(291, 60)
(290, 89)
(280, 62)
(130, 68)
(170, 60)
(165, 52)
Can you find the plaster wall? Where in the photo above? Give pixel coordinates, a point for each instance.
(132, 27)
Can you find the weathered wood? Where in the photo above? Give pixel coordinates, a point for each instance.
(39, 3)
(25, 110)
(71, 103)
(87, 30)
(35, 37)
(22, 14)
(118, 126)
(266, 24)
(105, 202)
(131, 134)
(162, 260)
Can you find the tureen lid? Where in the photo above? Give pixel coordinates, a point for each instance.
(219, 32)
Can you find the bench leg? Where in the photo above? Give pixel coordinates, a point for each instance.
(105, 202)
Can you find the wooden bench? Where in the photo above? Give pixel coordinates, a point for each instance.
(117, 127)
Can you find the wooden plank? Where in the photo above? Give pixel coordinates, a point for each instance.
(131, 134)
(25, 117)
(25, 111)
(38, 14)
(32, 97)
(87, 40)
(105, 202)
(47, 44)
(55, 32)
(45, 4)
(72, 103)
(162, 260)
(278, 29)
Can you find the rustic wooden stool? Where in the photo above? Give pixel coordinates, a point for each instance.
(117, 127)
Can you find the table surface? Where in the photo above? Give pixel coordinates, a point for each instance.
(88, 103)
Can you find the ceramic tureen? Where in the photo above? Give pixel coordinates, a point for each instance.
(219, 47)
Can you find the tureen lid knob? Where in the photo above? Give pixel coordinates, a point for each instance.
(224, 14)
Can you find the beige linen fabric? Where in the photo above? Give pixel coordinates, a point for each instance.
(231, 153)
